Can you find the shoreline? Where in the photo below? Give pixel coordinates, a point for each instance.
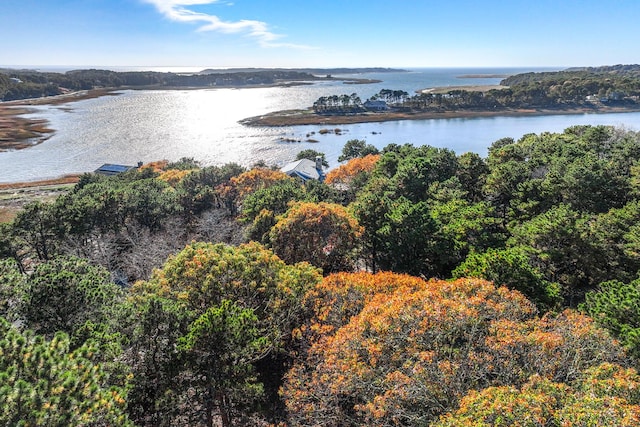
(308, 117)
(18, 132)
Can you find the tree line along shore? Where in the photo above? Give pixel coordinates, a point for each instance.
(572, 91)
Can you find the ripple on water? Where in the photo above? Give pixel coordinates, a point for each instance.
(150, 125)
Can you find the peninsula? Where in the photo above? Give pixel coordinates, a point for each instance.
(573, 91)
(308, 117)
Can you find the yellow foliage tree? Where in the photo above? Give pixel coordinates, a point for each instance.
(235, 309)
(604, 396)
(233, 193)
(174, 176)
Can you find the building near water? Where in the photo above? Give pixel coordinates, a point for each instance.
(305, 169)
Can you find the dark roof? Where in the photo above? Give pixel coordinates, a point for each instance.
(377, 103)
(111, 169)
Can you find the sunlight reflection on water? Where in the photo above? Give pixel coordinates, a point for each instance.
(145, 126)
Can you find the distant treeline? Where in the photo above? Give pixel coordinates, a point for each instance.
(575, 84)
(22, 84)
(308, 70)
(577, 87)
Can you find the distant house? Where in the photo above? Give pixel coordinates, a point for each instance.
(111, 169)
(375, 105)
(617, 96)
(305, 169)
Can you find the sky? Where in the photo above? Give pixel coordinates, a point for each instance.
(319, 33)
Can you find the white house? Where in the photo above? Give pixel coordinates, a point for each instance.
(375, 105)
(305, 169)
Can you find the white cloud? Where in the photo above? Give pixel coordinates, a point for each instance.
(177, 10)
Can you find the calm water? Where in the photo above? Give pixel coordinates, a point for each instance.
(151, 125)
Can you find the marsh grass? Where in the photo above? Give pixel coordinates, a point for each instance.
(18, 132)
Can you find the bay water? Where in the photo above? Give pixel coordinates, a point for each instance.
(148, 125)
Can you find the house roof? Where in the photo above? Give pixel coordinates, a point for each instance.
(375, 103)
(305, 169)
(111, 169)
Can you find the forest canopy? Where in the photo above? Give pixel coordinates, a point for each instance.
(414, 286)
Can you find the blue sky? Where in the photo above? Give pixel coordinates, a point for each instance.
(319, 33)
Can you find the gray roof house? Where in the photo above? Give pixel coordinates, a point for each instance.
(111, 169)
(375, 105)
(305, 169)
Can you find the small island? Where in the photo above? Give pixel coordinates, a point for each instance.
(608, 89)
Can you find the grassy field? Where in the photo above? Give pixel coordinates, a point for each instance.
(14, 196)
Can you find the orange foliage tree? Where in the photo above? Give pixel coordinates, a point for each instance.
(410, 355)
(237, 308)
(324, 234)
(233, 193)
(157, 166)
(346, 173)
(332, 302)
(174, 176)
(250, 181)
(604, 396)
(352, 177)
